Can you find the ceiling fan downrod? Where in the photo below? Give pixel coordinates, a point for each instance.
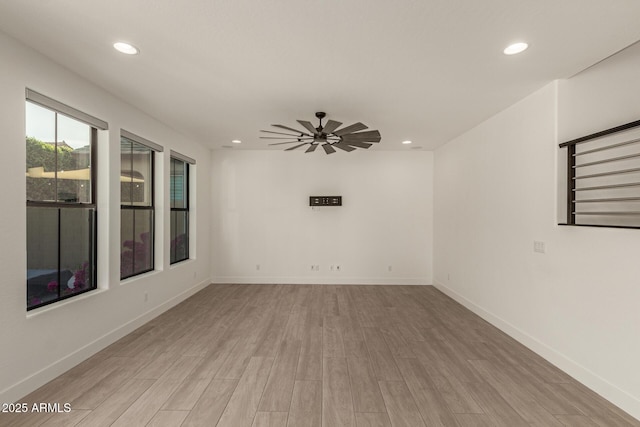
(320, 115)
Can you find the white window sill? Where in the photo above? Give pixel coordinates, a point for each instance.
(63, 303)
(139, 277)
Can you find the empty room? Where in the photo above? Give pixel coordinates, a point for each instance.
(320, 213)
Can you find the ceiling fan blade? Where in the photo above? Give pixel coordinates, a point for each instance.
(369, 136)
(286, 142)
(350, 129)
(358, 144)
(297, 146)
(328, 148)
(301, 138)
(281, 133)
(343, 146)
(308, 126)
(312, 148)
(331, 126)
(292, 129)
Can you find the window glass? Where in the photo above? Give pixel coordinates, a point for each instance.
(141, 180)
(60, 254)
(143, 248)
(127, 246)
(42, 255)
(74, 160)
(178, 184)
(179, 236)
(136, 184)
(125, 171)
(41, 153)
(76, 250)
(136, 190)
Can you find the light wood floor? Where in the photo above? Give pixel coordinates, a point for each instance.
(285, 355)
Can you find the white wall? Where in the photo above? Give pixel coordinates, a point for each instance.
(262, 217)
(495, 193)
(38, 345)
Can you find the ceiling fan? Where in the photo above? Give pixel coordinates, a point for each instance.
(328, 136)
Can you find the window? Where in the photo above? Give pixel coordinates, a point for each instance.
(179, 195)
(602, 184)
(61, 200)
(136, 204)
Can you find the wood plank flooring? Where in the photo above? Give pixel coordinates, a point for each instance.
(318, 356)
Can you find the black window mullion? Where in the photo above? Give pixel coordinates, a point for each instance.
(571, 185)
(172, 248)
(172, 184)
(186, 186)
(65, 205)
(131, 177)
(55, 156)
(93, 165)
(94, 247)
(153, 182)
(133, 228)
(187, 203)
(133, 217)
(59, 261)
(152, 226)
(186, 235)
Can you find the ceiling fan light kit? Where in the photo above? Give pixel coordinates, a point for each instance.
(328, 136)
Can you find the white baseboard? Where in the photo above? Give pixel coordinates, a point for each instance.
(611, 392)
(16, 391)
(321, 280)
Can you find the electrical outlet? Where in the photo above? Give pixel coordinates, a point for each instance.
(337, 268)
(390, 268)
(538, 247)
(448, 276)
(146, 296)
(257, 266)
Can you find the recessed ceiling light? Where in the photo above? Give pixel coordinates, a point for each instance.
(126, 48)
(515, 48)
(406, 142)
(236, 141)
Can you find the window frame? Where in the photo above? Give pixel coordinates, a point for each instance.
(187, 161)
(153, 149)
(94, 124)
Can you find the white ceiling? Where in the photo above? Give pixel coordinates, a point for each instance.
(425, 70)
